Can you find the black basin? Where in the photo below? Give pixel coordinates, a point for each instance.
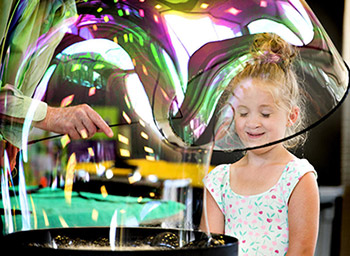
(95, 241)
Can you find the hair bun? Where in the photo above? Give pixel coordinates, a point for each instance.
(270, 48)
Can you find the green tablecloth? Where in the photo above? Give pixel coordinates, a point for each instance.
(49, 209)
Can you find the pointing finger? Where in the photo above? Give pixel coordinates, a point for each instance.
(100, 123)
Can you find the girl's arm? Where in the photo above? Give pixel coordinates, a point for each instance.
(303, 217)
(216, 219)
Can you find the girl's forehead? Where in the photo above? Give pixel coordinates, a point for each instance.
(256, 83)
(255, 90)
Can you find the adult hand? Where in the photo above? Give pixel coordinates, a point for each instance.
(79, 121)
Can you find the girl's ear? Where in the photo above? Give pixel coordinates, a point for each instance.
(293, 116)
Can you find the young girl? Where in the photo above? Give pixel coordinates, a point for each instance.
(269, 198)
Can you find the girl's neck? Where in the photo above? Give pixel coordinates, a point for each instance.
(275, 155)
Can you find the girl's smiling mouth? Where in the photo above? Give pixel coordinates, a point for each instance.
(255, 135)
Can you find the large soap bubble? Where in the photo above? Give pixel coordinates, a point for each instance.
(160, 73)
(177, 59)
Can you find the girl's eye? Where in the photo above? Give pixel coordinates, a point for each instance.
(243, 114)
(265, 115)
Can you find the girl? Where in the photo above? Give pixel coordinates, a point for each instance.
(269, 198)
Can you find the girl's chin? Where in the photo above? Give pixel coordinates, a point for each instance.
(260, 148)
(253, 144)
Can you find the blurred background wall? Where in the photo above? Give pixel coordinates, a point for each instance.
(345, 167)
(328, 147)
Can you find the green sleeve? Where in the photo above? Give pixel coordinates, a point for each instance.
(15, 104)
(6, 8)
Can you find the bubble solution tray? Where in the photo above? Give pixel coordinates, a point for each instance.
(129, 241)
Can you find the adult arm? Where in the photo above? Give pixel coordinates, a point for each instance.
(79, 121)
(303, 217)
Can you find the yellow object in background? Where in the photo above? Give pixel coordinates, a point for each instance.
(162, 169)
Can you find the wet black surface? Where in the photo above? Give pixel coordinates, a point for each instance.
(129, 241)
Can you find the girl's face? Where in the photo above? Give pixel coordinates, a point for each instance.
(258, 119)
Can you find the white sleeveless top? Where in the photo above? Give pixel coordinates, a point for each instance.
(260, 222)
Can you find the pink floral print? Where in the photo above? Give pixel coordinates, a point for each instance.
(260, 222)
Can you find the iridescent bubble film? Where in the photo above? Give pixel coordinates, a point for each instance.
(160, 74)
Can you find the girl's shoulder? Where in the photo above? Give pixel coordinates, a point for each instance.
(299, 167)
(220, 173)
(221, 168)
(294, 171)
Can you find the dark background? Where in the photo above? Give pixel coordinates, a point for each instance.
(324, 146)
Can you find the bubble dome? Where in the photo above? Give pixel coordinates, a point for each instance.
(158, 72)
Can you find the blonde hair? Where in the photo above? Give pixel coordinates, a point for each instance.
(272, 62)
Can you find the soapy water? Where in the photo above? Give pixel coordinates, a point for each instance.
(163, 241)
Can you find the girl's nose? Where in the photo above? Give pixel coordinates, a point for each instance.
(253, 122)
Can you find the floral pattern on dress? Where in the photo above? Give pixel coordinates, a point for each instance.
(260, 222)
